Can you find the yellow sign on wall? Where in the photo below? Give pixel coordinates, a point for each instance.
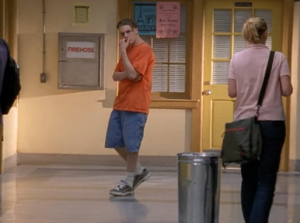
(81, 15)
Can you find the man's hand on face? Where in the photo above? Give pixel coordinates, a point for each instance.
(124, 43)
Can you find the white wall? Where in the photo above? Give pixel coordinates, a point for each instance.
(74, 122)
(10, 123)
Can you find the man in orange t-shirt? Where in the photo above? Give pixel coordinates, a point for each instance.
(127, 121)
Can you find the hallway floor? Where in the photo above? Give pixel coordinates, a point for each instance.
(70, 194)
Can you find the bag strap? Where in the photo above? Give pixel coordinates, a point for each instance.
(265, 82)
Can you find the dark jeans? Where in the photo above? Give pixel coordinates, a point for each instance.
(259, 177)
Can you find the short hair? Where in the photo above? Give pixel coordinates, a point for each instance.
(253, 29)
(128, 21)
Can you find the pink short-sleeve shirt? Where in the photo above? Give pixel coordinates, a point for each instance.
(248, 69)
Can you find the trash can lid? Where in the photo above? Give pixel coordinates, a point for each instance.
(199, 155)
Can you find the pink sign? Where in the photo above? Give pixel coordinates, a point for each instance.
(168, 19)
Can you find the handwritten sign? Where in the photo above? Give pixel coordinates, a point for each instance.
(81, 50)
(168, 19)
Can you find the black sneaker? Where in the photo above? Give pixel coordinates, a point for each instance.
(138, 179)
(122, 189)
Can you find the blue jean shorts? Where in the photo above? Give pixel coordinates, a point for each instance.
(125, 130)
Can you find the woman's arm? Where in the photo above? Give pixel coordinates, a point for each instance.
(286, 86)
(232, 88)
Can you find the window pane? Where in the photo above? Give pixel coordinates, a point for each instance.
(177, 50)
(177, 78)
(160, 78)
(222, 47)
(239, 44)
(269, 42)
(240, 17)
(266, 15)
(160, 48)
(182, 18)
(222, 21)
(147, 39)
(220, 72)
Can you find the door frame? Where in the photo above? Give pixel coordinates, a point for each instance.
(198, 41)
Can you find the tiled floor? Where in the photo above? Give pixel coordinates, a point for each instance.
(55, 194)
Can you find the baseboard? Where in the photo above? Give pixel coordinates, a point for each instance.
(92, 160)
(295, 165)
(101, 160)
(10, 162)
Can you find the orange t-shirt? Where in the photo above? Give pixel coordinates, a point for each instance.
(135, 96)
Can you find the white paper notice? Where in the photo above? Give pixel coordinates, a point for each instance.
(81, 50)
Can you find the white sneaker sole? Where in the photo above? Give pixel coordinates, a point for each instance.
(115, 193)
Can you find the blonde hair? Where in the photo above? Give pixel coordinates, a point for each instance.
(253, 29)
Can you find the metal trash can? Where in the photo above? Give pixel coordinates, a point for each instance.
(199, 187)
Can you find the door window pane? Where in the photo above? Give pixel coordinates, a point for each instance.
(269, 42)
(222, 47)
(240, 17)
(222, 21)
(266, 15)
(220, 72)
(239, 44)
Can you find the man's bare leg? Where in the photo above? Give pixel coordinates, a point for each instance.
(131, 162)
(123, 153)
(136, 173)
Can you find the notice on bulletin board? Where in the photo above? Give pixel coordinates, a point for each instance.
(145, 17)
(168, 19)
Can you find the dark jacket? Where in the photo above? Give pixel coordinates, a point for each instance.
(3, 61)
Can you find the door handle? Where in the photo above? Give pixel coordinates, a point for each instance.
(61, 61)
(207, 92)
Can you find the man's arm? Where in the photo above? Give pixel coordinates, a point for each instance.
(119, 76)
(129, 69)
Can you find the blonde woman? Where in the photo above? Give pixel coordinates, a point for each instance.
(246, 74)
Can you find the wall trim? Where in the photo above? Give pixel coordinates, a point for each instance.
(295, 165)
(92, 160)
(10, 162)
(105, 160)
(174, 103)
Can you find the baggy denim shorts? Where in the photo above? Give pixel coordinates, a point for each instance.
(125, 130)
